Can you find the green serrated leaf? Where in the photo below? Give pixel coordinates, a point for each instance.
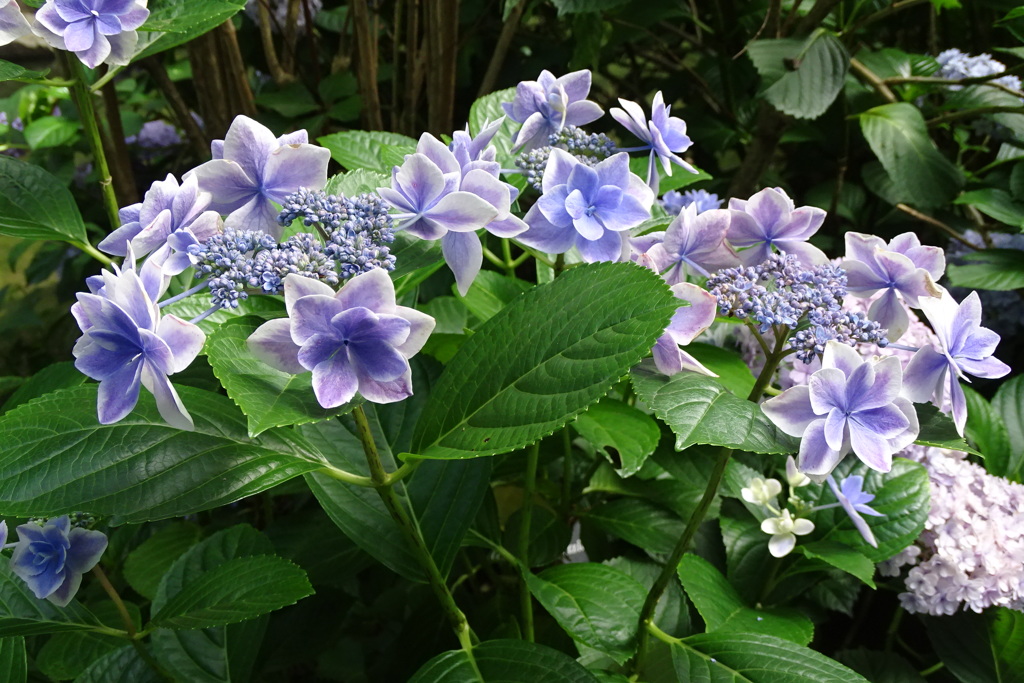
(490, 292)
(124, 664)
(146, 565)
(645, 525)
(22, 614)
(50, 131)
(172, 23)
(496, 397)
(841, 557)
(56, 457)
(596, 604)
(356, 182)
(626, 435)
(361, 149)
(13, 72)
(986, 430)
(899, 138)
(268, 397)
(504, 660)
(65, 656)
(938, 430)
(995, 269)
(1008, 403)
(723, 611)
(803, 77)
(35, 205)
(995, 203)
(488, 109)
(699, 410)
(51, 378)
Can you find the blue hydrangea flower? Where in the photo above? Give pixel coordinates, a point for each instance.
(770, 219)
(589, 208)
(548, 105)
(251, 169)
(126, 344)
(13, 24)
(157, 134)
(956, 65)
(687, 322)
(854, 502)
(966, 348)
(355, 340)
(52, 558)
(97, 31)
(850, 404)
(589, 148)
(694, 243)
(663, 134)
(674, 201)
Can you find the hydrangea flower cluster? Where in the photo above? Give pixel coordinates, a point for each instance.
(589, 148)
(674, 201)
(51, 556)
(972, 548)
(956, 65)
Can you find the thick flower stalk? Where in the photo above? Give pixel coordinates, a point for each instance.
(663, 134)
(849, 405)
(97, 31)
(548, 105)
(52, 557)
(353, 340)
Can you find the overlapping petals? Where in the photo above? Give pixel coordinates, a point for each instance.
(850, 404)
(251, 169)
(965, 348)
(590, 208)
(353, 340)
(97, 31)
(770, 219)
(547, 105)
(694, 242)
(52, 558)
(784, 530)
(687, 322)
(664, 134)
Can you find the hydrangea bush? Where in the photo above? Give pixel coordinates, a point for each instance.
(515, 379)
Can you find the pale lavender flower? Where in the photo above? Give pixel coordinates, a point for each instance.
(589, 208)
(770, 218)
(784, 530)
(850, 404)
(97, 31)
(854, 501)
(126, 344)
(166, 209)
(251, 169)
(547, 105)
(157, 134)
(965, 348)
(956, 65)
(694, 243)
(52, 558)
(687, 322)
(901, 269)
(663, 134)
(13, 24)
(674, 201)
(3, 533)
(355, 340)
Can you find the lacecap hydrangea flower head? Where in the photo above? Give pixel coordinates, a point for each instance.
(52, 557)
(97, 31)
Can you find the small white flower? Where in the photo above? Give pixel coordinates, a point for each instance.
(784, 530)
(761, 491)
(795, 477)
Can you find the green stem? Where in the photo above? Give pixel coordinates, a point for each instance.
(493, 258)
(348, 477)
(87, 248)
(413, 535)
(506, 253)
(82, 96)
(932, 669)
(661, 635)
(129, 625)
(106, 78)
(525, 517)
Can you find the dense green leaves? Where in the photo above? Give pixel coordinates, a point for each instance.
(980, 648)
(496, 396)
(595, 604)
(65, 656)
(36, 205)
(997, 269)
(13, 660)
(361, 149)
(120, 666)
(724, 611)
(643, 524)
(899, 138)
(51, 378)
(55, 456)
(22, 614)
(268, 397)
(938, 430)
(701, 411)
(1008, 404)
(504, 661)
(626, 435)
(803, 77)
(841, 557)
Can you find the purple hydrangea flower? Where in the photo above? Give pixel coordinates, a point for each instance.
(966, 348)
(52, 558)
(663, 134)
(166, 209)
(355, 340)
(157, 134)
(251, 169)
(850, 404)
(674, 201)
(696, 243)
(547, 105)
(854, 502)
(13, 24)
(126, 344)
(903, 268)
(589, 208)
(97, 31)
(770, 218)
(687, 322)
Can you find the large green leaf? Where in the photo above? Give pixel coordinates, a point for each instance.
(841, 557)
(997, 269)
(13, 659)
(268, 397)
(595, 604)
(986, 430)
(56, 457)
(120, 666)
(357, 182)
(643, 524)
(899, 138)
(51, 378)
(496, 396)
(65, 656)
(981, 648)
(938, 430)
(995, 203)
(733, 373)
(504, 661)
(22, 614)
(36, 205)
(754, 658)
(488, 109)
(212, 655)
(355, 149)
(172, 23)
(625, 434)
(1008, 403)
(803, 77)
(490, 292)
(724, 612)
(193, 306)
(50, 131)
(146, 565)
(701, 411)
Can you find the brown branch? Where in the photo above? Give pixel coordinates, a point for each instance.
(182, 115)
(815, 16)
(874, 81)
(117, 150)
(771, 124)
(277, 72)
(981, 80)
(508, 31)
(910, 211)
(366, 66)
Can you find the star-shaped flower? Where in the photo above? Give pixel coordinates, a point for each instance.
(854, 501)
(52, 558)
(547, 105)
(694, 242)
(665, 135)
(784, 530)
(97, 31)
(770, 219)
